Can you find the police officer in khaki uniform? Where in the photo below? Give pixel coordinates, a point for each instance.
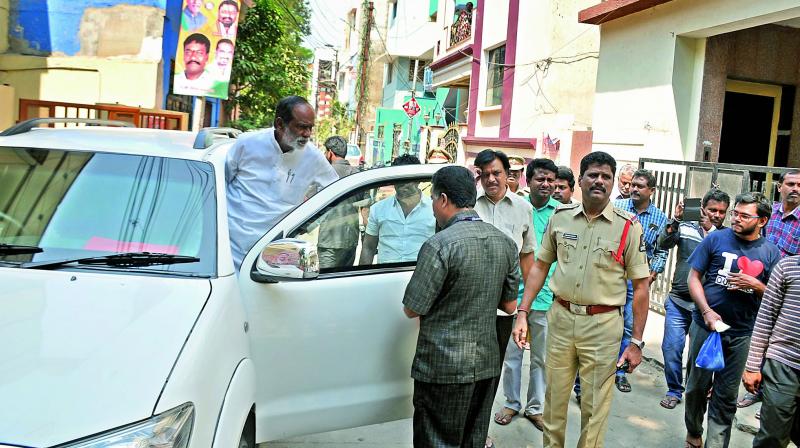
(597, 248)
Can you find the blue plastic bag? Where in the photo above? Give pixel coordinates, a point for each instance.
(710, 356)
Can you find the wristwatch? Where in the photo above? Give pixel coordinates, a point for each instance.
(637, 343)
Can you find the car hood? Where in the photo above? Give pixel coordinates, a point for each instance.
(83, 352)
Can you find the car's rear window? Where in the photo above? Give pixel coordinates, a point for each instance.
(81, 204)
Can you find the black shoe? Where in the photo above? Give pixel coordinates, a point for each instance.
(622, 383)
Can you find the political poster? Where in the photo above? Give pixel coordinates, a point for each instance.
(206, 45)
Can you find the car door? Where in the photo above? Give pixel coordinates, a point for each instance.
(335, 351)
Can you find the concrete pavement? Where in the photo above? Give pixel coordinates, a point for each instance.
(636, 421)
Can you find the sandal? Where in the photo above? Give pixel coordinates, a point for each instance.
(689, 444)
(505, 416)
(748, 400)
(669, 402)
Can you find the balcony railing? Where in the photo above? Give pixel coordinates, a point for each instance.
(461, 29)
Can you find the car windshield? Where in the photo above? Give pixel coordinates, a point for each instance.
(74, 204)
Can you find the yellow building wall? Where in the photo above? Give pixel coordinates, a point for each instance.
(83, 80)
(4, 7)
(7, 119)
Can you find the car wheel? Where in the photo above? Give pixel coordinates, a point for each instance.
(248, 439)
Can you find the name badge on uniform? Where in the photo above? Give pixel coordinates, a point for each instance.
(570, 236)
(642, 245)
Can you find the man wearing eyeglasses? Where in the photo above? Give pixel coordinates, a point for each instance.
(782, 230)
(729, 270)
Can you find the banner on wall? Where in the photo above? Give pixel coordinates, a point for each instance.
(206, 46)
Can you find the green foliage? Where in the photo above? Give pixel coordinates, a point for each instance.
(270, 62)
(338, 123)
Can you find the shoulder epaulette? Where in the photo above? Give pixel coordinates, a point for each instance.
(625, 214)
(563, 207)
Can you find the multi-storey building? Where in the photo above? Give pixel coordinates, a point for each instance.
(529, 72)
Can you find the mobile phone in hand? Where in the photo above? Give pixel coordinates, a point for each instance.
(691, 209)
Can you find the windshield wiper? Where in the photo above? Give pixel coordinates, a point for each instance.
(16, 249)
(125, 260)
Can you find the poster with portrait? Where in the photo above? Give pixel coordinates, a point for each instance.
(206, 46)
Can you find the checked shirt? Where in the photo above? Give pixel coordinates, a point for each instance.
(652, 220)
(783, 229)
(463, 273)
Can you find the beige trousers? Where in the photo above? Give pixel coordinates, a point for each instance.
(590, 345)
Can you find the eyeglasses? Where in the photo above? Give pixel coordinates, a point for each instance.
(743, 216)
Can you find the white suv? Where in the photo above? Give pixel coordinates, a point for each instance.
(123, 323)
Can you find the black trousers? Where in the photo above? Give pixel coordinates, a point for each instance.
(779, 416)
(452, 415)
(725, 382)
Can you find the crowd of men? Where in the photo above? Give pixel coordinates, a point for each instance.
(503, 269)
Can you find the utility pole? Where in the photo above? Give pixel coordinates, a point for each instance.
(363, 73)
(413, 94)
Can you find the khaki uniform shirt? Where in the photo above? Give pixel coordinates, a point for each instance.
(513, 215)
(587, 273)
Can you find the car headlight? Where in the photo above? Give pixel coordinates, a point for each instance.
(170, 429)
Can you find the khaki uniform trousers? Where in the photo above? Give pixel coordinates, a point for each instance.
(590, 345)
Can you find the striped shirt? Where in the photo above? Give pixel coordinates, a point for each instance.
(776, 334)
(652, 220)
(783, 229)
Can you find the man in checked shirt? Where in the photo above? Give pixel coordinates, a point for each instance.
(776, 344)
(783, 228)
(653, 220)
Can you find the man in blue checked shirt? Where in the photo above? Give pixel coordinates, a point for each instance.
(653, 220)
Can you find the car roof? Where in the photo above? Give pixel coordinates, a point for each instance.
(140, 141)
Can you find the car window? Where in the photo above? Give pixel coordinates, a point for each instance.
(382, 225)
(76, 204)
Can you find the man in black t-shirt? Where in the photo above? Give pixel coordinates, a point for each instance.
(736, 264)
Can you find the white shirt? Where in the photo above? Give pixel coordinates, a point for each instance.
(400, 237)
(264, 184)
(201, 86)
(513, 215)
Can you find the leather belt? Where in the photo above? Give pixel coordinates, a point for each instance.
(586, 310)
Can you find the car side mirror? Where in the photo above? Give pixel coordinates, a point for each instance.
(287, 260)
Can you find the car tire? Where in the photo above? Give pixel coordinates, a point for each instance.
(248, 439)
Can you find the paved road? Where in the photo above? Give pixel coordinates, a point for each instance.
(637, 421)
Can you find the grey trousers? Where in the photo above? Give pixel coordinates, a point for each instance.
(722, 406)
(512, 368)
(779, 422)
